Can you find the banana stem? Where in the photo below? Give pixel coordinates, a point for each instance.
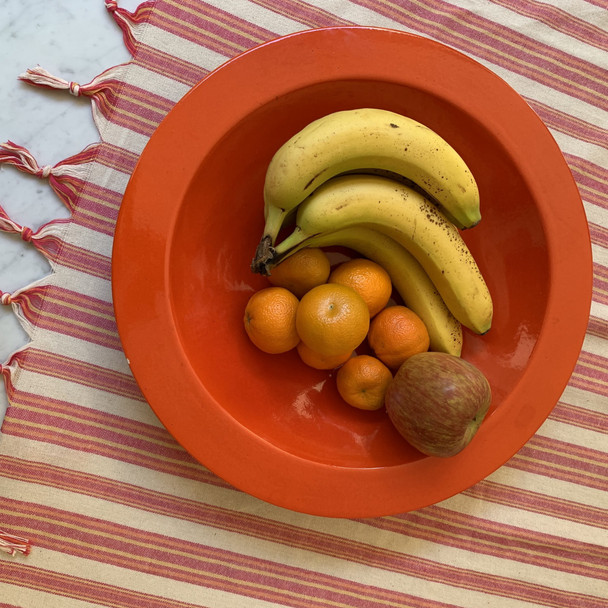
(295, 239)
(275, 216)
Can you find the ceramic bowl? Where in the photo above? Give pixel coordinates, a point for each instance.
(192, 217)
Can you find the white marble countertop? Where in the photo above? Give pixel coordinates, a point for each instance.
(73, 39)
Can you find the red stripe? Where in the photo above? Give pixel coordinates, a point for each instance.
(598, 234)
(165, 64)
(536, 502)
(579, 416)
(87, 590)
(116, 158)
(83, 260)
(208, 26)
(286, 534)
(501, 45)
(570, 125)
(79, 372)
(207, 567)
(136, 109)
(559, 20)
(598, 327)
(470, 533)
(70, 313)
(591, 373)
(564, 461)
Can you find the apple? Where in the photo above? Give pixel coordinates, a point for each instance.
(437, 402)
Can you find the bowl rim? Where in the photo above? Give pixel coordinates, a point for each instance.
(282, 478)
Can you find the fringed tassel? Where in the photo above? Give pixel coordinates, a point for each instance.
(130, 23)
(11, 544)
(26, 303)
(102, 90)
(65, 177)
(47, 239)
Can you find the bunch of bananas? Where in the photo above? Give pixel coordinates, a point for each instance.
(393, 190)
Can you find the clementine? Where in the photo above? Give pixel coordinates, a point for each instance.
(397, 333)
(332, 319)
(318, 361)
(362, 382)
(367, 278)
(301, 271)
(270, 320)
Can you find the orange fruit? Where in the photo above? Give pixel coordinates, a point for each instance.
(367, 278)
(397, 333)
(318, 361)
(362, 382)
(332, 319)
(270, 320)
(301, 271)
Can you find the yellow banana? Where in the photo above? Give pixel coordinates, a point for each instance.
(408, 277)
(408, 217)
(368, 138)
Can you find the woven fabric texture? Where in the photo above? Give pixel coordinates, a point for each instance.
(100, 506)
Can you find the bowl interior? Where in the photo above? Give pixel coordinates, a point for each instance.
(220, 220)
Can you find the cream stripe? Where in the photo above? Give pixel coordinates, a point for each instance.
(596, 214)
(536, 30)
(600, 255)
(584, 399)
(88, 284)
(85, 396)
(342, 528)
(139, 582)
(599, 310)
(260, 16)
(299, 558)
(153, 81)
(88, 239)
(182, 49)
(14, 594)
(511, 516)
(577, 147)
(121, 137)
(549, 486)
(82, 350)
(562, 431)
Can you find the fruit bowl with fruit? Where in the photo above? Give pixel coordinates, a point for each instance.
(461, 197)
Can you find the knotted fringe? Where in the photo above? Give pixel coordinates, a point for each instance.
(47, 239)
(27, 303)
(102, 90)
(66, 177)
(130, 23)
(11, 544)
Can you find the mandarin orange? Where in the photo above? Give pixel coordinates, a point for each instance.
(368, 279)
(332, 319)
(301, 271)
(318, 361)
(362, 382)
(397, 333)
(270, 320)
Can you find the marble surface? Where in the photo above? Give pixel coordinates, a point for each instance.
(73, 39)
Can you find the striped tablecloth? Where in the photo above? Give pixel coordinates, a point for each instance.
(99, 506)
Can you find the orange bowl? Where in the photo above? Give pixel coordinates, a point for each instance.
(192, 217)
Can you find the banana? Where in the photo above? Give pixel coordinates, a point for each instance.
(408, 277)
(408, 217)
(368, 138)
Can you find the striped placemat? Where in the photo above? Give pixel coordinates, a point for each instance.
(99, 506)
